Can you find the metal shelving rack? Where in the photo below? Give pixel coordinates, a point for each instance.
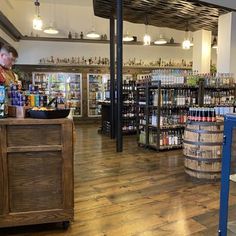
(147, 109)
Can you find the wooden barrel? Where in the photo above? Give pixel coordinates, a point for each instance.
(203, 149)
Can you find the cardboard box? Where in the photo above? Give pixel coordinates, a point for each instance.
(17, 111)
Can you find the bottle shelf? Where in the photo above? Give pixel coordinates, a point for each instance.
(168, 127)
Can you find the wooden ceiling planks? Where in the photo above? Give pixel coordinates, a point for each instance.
(175, 14)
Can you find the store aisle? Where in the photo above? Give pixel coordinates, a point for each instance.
(138, 192)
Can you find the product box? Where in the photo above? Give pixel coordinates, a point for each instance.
(18, 111)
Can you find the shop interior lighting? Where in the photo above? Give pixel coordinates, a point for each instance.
(186, 44)
(214, 43)
(51, 29)
(146, 37)
(161, 40)
(93, 34)
(37, 21)
(128, 38)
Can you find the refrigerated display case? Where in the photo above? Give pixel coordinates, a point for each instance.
(67, 86)
(97, 87)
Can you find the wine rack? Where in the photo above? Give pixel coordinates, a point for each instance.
(128, 110)
(162, 113)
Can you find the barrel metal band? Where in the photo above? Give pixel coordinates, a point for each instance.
(204, 159)
(202, 171)
(202, 143)
(204, 131)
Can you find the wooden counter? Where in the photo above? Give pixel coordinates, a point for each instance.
(36, 171)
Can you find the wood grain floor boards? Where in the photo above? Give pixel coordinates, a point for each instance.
(138, 192)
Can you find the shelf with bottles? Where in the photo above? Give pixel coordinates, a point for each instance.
(164, 112)
(171, 139)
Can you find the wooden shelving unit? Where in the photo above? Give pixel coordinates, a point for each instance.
(78, 40)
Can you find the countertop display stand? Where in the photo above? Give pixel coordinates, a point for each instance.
(36, 171)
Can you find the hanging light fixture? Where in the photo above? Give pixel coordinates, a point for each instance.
(186, 44)
(128, 38)
(146, 37)
(93, 34)
(51, 29)
(37, 21)
(161, 40)
(214, 43)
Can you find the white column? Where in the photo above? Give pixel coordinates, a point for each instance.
(226, 52)
(202, 51)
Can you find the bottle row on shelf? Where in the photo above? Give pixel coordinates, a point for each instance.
(167, 139)
(173, 77)
(219, 97)
(169, 118)
(207, 114)
(104, 61)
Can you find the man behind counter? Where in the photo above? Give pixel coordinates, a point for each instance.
(8, 56)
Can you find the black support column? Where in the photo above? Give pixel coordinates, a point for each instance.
(119, 53)
(112, 76)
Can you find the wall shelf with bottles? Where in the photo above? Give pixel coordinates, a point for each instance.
(102, 41)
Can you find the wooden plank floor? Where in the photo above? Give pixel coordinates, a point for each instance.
(135, 193)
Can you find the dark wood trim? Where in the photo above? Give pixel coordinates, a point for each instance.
(77, 68)
(73, 40)
(3, 41)
(9, 28)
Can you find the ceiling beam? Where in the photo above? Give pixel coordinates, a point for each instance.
(9, 28)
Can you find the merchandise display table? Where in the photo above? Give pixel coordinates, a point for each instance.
(36, 171)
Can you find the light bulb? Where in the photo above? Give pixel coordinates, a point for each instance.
(186, 44)
(128, 38)
(51, 30)
(92, 34)
(37, 23)
(146, 40)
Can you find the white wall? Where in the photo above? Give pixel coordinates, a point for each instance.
(225, 3)
(31, 51)
(70, 16)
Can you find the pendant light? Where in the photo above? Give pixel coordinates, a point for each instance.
(214, 43)
(161, 40)
(51, 29)
(92, 34)
(37, 21)
(128, 38)
(146, 37)
(186, 44)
